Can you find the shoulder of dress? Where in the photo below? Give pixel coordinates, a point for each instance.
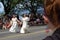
(15, 18)
(26, 17)
(12, 18)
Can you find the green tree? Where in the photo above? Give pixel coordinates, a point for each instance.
(12, 3)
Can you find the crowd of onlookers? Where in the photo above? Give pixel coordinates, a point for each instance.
(35, 19)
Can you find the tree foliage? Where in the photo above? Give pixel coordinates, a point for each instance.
(12, 3)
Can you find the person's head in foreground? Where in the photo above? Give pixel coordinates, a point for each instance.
(52, 12)
(52, 15)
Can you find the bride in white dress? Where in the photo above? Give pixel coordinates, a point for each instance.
(14, 24)
(25, 25)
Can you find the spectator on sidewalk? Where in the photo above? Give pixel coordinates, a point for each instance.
(6, 24)
(52, 15)
(1, 23)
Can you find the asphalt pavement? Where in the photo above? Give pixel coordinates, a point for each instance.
(35, 33)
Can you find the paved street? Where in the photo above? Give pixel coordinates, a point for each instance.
(36, 33)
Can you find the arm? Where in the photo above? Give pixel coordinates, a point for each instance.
(10, 24)
(19, 22)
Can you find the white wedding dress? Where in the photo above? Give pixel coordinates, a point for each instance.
(14, 27)
(24, 25)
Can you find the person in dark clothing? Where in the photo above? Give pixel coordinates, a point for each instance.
(1, 23)
(52, 16)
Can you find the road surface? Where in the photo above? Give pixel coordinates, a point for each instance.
(36, 33)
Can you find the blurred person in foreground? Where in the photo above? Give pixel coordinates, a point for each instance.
(52, 16)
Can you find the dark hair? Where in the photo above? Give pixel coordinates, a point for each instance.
(25, 15)
(52, 11)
